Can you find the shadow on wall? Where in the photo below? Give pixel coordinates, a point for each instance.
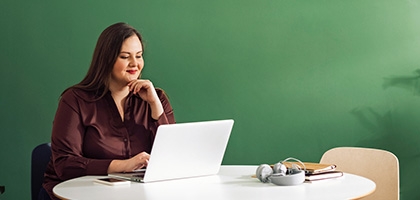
(410, 83)
(380, 126)
(384, 126)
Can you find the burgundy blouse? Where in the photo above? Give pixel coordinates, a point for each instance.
(88, 134)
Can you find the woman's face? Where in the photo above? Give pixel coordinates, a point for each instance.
(129, 62)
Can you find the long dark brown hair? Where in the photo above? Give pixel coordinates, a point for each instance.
(106, 52)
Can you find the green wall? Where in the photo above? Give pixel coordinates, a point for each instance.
(298, 76)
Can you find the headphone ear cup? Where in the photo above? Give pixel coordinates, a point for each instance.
(280, 168)
(263, 173)
(295, 177)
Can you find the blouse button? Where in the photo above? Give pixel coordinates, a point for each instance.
(125, 140)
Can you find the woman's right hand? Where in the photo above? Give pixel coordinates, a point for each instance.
(137, 162)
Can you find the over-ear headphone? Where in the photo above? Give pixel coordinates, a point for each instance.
(279, 174)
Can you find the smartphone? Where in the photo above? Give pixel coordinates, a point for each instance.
(112, 181)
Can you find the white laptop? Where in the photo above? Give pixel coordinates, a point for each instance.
(185, 150)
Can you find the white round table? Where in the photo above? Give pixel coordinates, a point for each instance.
(232, 182)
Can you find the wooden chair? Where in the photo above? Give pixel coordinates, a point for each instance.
(378, 165)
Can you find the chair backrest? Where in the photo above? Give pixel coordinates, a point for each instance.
(378, 165)
(41, 155)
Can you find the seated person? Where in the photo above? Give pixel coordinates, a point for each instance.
(107, 122)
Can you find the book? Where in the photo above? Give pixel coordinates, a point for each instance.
(312, 168)
(323, 175)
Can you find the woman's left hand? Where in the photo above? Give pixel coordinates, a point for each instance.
(146, 91)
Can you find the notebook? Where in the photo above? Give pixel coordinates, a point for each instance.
(184, 150)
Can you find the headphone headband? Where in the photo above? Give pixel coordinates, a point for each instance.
(297, 160)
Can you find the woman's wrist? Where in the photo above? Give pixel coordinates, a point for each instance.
(116, 166)
(157, 110)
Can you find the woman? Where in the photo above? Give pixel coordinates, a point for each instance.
(107, 122)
